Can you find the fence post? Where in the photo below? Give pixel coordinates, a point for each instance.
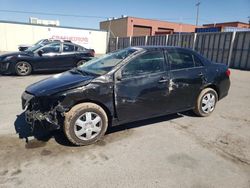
(231, 49)
(130, 40)
(116, 44)
(108, 42)
(146, 40)
(195, 35)
(166, 40)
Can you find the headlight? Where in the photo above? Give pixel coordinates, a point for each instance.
(7, 58)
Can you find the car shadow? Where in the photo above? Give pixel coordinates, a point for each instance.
(142, 123)
(42, 133)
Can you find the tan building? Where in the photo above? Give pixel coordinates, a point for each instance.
(131, 26)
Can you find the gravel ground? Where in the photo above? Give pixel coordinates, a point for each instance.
(178, 150)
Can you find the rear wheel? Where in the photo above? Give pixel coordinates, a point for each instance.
(85, 124)
(206, 102)
(23, 68)
(81, 62)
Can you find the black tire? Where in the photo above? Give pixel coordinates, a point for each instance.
(81, 62)
(23, 68)
(77, 112)
(200, 105)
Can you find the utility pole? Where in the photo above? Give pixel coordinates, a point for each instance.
(197, 13)
(248, 21)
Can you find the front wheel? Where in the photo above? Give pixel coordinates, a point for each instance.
(23, 68)
(85, 124)
(206, 102)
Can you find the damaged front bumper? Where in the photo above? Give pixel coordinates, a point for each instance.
(45, 115)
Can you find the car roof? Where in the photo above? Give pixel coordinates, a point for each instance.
(151, 47)
(61, 42)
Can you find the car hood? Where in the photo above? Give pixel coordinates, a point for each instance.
(16, 54)
(58, 83)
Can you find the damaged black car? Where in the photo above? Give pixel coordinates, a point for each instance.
(128, 85)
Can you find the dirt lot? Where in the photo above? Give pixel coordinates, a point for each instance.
(178, 150)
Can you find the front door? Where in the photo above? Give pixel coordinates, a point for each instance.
(141, 87)
(50, 58)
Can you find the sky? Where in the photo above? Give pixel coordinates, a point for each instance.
(211, 11)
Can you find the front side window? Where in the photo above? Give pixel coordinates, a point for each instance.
(68, 48)
(180, 60)
(197, 61)
(150, 62)
(51, 48)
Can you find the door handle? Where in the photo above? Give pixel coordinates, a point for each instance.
(200, 74)
(162, 80)
(203, 77)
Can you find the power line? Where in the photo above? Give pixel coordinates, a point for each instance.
(52, 14)
(105, 17)
(81, 16)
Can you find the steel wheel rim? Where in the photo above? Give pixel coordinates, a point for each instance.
(23, 68)
(88, 126)
(208, 103)
(80, 63)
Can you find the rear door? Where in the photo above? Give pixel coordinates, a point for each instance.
(186, 78)
(68, 55)
(142, 89)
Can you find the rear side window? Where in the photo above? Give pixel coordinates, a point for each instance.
(51, 48)
(147, 63)
(80, 48)
(68, 48)
(180, 60)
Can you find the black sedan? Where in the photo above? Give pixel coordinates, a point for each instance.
(128, 85)
(54, 56)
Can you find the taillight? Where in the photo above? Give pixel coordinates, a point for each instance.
(228, 72)
(92, 53)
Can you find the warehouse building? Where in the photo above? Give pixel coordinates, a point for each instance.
(13, 34)
(132, 26)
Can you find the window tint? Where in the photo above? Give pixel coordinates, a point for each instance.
(150, 62)
(51, 48)
(79, 48)
(180, 60)
(68, 48)
(197, 61)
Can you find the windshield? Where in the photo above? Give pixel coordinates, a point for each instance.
(106, 63)
(38, 42)
(34, 48)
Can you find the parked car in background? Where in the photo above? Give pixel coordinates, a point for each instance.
(128, 85)
(24, 47)
(53, 56)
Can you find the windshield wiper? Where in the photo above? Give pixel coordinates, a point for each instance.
(83, 72)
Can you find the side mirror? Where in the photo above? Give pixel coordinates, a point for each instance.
(40, 52)
(119, 77)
